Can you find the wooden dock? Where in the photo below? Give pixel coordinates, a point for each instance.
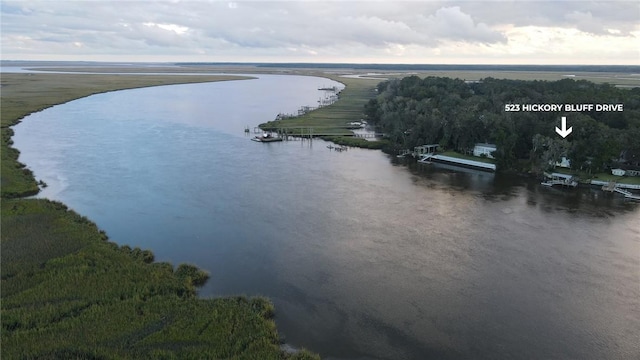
(298, 132)
(612, 186)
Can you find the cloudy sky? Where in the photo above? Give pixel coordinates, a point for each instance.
(437, 32)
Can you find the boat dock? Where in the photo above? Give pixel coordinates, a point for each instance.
(424, 151)
(560, 179)
(303, 132)
(458, 161)
(613, 186)
(338, 148)
(267, 137)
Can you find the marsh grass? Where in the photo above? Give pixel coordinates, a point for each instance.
(357, 142)
(68, 292)
(66, 289)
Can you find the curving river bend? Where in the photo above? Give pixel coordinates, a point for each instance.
(364, 258)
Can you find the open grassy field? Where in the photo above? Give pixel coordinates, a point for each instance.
(70, 293)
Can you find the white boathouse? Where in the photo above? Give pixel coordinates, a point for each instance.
(482, 149)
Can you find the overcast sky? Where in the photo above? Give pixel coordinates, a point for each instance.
(425, 32)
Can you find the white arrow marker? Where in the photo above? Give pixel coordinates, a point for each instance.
(564, 132)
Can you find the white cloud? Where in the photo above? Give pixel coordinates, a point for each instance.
(453, 24)
(585, 21)
(351, 31)
(169, 27)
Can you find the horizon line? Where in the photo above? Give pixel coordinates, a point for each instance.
(312, 63)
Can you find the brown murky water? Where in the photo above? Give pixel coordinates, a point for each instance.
(364, 258)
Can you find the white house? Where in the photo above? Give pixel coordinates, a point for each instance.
(564, 162)
(617, 172)
(484, 149)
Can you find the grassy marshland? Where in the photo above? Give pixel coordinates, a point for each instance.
(333, 119)
(69, 292)
(356, 142)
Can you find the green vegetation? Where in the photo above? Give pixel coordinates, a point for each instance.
(356, 142)
(619, 179)
(69, 292)
(457, 115)
(333, 119)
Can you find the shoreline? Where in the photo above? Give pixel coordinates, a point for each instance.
(19, 99)
(243, 303)
(31, 251)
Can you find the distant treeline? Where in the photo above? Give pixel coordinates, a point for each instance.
(437, 67)
(458, 114)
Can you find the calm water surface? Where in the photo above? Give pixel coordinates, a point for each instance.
(364, 258)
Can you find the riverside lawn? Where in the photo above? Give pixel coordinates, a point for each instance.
(69, 292)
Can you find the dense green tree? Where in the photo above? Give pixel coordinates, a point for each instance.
(457, 115)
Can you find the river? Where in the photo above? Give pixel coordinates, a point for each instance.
(364, 257)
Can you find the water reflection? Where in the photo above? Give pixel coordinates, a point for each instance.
(582, 201)
(363, 257)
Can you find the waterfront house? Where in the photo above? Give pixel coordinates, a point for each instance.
(484, 149)
(564, 163)
(617, 172)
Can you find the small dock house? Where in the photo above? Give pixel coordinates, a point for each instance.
(564, 163)
(560, 179)
(424, 150)
(483, 149)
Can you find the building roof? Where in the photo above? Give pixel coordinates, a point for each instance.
(486, 145)
(429, 145)
(562, 176)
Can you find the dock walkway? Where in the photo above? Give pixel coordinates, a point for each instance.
(612, 186)
(459, 161)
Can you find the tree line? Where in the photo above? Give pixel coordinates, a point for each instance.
(456, 114)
